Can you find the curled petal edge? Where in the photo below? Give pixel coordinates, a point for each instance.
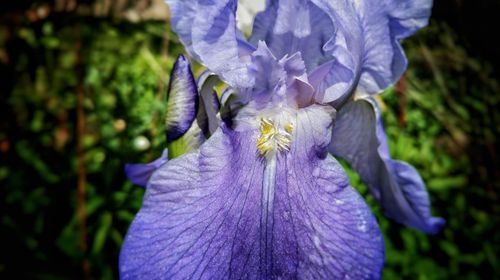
(359, 138)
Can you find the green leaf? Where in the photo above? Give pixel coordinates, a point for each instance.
(102, 233)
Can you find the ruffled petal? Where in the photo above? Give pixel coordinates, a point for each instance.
(215, 40)
(284, 82)
(384, 25)
(366, 43)
(294, 26)
(226, 212)
(359, 138)
(335, 80)
(323, 33)
(409, 16)
(139, 174)
(182, 100)
(208, 30)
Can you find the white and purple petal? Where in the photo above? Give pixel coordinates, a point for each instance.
(226, 212)
(245, 14)
(182, 100)
(359, 138)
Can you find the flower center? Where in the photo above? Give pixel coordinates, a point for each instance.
(273, 137)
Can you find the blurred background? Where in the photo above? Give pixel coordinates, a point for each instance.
(82, 92)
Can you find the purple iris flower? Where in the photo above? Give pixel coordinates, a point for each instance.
(260, 196)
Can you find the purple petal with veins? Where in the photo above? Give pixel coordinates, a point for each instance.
(227, 212)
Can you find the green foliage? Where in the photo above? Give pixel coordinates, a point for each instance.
(124, 79)
(444, 123)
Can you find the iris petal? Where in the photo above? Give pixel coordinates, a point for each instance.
(285, 80)
(332, 83)
(409, 16)
(182, 102)
(139, 174)
(221, 213)
(361, 39)
(294, 26)
(335, 79)
(182, 14)
(359, 138)
(320, 37)
(384, 25)
(367, 41)
(208, 30)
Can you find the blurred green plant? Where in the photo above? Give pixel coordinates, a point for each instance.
(125, 77)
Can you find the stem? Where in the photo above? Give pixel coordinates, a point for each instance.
(80, 134)
(401, 93)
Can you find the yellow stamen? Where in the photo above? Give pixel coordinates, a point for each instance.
(266, 127)
(273, 138)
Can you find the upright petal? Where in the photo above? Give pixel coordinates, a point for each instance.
(367, 43)
(384, 24)
(294, 26)
(359, 138)
(182, 14)
(226, 212)
(335, 80)
(182, 100)
(327, 35)
(215, 40)
(409, 16)
(208, 30)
